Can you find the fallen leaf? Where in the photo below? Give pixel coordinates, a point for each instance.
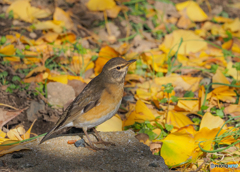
(96, 5)
(9, 149)
(6, 116)
(45, 25)
(27, 134)
(178, 119)
(209, 121)
(141, 114)
(234, 26)
(105, 54)
(113, 124)
(174, 150)
(219, 78)
(8, 50)
(194, 12)
(60, 15)
(191, 42)
(113, 12)
(189, 105)
(23, 10)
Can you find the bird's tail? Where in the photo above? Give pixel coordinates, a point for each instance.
(46, 137)
(58, 126)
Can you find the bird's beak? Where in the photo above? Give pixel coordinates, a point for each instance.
(131, 61)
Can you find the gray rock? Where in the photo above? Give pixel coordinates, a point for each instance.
(33, 110)
(56, 155)
(59, 94)
(77, 85)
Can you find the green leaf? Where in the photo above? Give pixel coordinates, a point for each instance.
(200, 113)
(164, 100)
(204, 107)
(168, 88)
(27, 47)
(3, 40)
(196, 120)
(3, 74)
(2, 16)
(9, 90)
(159, 74)
(10, 14)
(189, 94)
(220, 113)
(150, 133)
(168, 127)
(162, 135)
(94, 57)
(148, 125)
(16, 78)
(159, 125)
(174, 98)
(214, 68)
(12, 86)
(237, 66)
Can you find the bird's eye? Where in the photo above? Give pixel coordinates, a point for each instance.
(118, 68)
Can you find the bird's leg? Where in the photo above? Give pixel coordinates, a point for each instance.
(100, 140)
(91, 146)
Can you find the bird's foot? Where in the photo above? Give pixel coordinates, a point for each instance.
(104, 143)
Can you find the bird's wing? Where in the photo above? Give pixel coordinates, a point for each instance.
(85, 101)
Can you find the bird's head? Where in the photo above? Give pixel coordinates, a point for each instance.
(116, 69)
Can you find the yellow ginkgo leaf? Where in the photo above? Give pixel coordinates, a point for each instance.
(60, 15)
(192, 43)
(7, 50)
(9, 149)
(189, 105)
(194, 12)
(13, 135)
(113, 124)
(113, 12)
(219, 78)
(45, 25)
(71, 77)
(49, 37)
(233, 110)
(207, 136)
(141, 114)
(2, 135)
(36, 70)
(232, 71)
(233, 26)
(178, 119)
(174, 150)
(59, 78)
(105, 54)
(27, 134)
(211, 121)
(100, 5)
(143, 94)
(23, 10)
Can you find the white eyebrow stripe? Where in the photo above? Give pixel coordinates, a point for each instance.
(122, 67)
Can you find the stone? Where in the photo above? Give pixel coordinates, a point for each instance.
(59, 94)
(34, 108)
(77, 85)
(56, 155)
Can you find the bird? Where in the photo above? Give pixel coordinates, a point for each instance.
(98, 101)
